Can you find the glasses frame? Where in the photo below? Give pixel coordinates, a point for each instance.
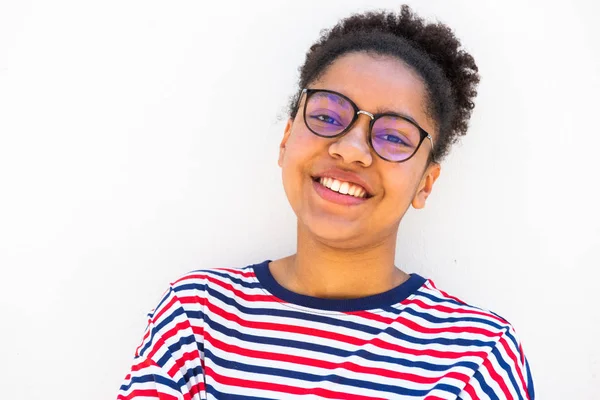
(374, 117)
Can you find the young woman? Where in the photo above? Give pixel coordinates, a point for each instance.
(381, 98)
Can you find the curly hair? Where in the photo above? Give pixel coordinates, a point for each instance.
(449, 73)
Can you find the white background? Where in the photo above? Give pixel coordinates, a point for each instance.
(113, 182)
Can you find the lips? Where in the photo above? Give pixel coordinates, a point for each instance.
(342, 187)
(331, 175)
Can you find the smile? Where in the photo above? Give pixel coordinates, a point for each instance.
(342, 187)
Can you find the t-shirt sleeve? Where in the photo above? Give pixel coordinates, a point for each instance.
(504, 374)
(168, 363)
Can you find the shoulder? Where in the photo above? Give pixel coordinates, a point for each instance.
(202, 281)
(444, 307)
(490, 340)
(457, 318)
(181, 308)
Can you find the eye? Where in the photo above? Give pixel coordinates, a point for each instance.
(393, 139)
(326, 119)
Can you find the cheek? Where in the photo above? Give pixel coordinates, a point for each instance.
(301, 147)
(299, 150)
(400, 185)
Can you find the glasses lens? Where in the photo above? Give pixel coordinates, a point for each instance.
(395, 138)
(328, 114)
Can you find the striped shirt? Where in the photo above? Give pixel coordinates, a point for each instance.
(236, 333)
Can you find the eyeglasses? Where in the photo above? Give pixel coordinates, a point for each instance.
(393, 137)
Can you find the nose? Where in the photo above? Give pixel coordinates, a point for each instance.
(353, 146)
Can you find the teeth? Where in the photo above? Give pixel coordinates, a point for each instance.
(335, 186)
(343, 187)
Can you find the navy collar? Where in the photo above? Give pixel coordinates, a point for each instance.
(380, 300)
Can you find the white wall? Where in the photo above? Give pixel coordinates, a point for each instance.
(112, 184)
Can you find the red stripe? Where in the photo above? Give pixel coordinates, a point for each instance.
(419, 328)
(246, 274)
(328, 365)
(522, 353)
(145, 363)
(147, 393)
(181, 360)
(340, 337)
(281, 388)
(279, 327)
(470, 391)
(517, 368)
(167, 335)
(239, 293)
(233, 290)
(497, 378)
(313, 332)
(371, 316)
(201, 275)
(164, 308)
(427, 352)
(452, 310)
(198, 330)
(156, 316)
(199, 387)
(411, 324)
(146, 335)
(151, 363)
(430, 282)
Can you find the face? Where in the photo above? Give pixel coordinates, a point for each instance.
(312, 166)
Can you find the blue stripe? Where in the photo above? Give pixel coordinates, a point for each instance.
(530, 388)
(161, 303)
(434, 319)
(392, 333)
(290, 313)
(224, 274)
(191, 285)
(497, 315)
(485, 387)
(446, 388)
(328, 350)
(508, 334)
(168, 319)
(175, 347)
(442, 300)
(210, 390)
(504, 365)
(197, 371)
(308, 377)
(253, 284)
(151, 378)
(303, 316)
(195, 315)
(457, 341)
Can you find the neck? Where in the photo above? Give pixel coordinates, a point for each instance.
(323, 270)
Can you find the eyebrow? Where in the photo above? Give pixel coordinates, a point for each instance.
(401, 114)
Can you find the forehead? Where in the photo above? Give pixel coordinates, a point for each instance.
(378, 84)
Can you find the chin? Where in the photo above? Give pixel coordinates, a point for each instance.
(341, 234)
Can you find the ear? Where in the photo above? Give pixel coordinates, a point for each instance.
(286, 134)
(426, 185)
